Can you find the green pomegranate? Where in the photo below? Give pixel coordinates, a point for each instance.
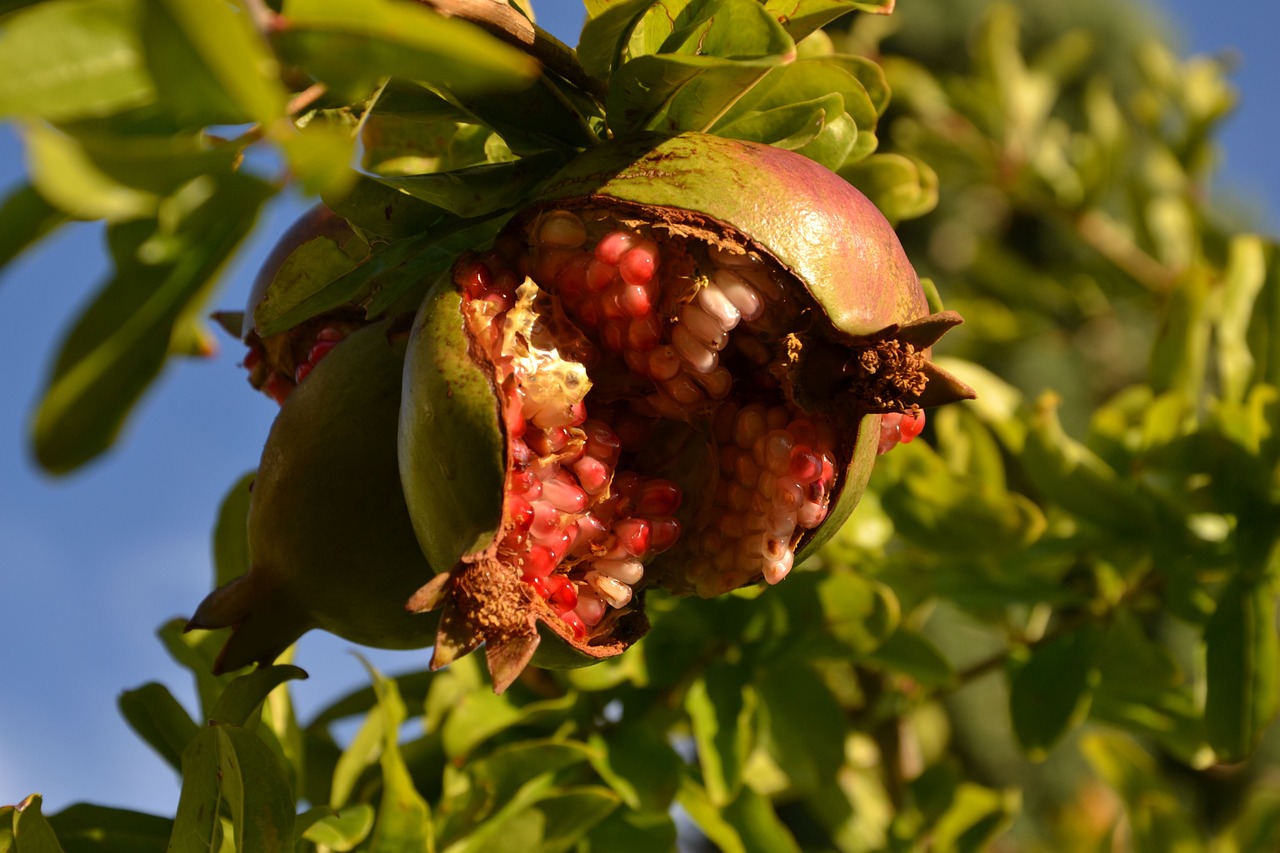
(674, 370)
(330, 541)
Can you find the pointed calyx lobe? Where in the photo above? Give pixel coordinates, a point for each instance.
(670, 372)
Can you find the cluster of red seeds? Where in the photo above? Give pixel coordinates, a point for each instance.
(279, 385)
(899, 428)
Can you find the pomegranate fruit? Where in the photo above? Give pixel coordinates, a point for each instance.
(278, 362)
(670, 371)
(330, 541)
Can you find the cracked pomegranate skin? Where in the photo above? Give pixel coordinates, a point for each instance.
(761, 430)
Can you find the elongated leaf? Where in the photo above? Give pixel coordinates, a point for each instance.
(802, 17)
(913, 654)
(63, 173)
(758, 825)
(25, 218)
(640, 765)
(789, 126)
(1051, 691)
(228, 767)
(901, 187)
(85, 828)
(302, 287)
(196, 651)
(404, 818)
(72, 59)
(800, 721)
(1158, 816)
(159, 719)
(31, 830)
(352, 44)
(625, 831)
(1242, 657)
(859, 612)
(383, 210)
(339, 830)
(119, 344)
(721, 706)
(480, 190)
(1246, 271)
(606, 33)
(706, 813)
(241, 699)
(571, 813)
(209, 63)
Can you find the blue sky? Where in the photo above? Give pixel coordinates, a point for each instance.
(93, 564)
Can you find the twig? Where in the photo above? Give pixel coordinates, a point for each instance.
(500, 20)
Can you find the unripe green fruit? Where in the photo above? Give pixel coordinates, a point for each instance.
(330, 541)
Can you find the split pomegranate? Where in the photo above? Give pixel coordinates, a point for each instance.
(671, 372)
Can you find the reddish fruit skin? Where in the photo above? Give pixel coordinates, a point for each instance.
(736, 197)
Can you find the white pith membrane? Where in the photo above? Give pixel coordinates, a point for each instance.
(601, 329)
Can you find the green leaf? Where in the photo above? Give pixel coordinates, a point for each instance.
(320, 157)
(31, 830)
(480, 190)
(339, 830)
(210, 64)
(159, 719)
(85, 828)
(910, 653)
(802, 17)
(902, 187)
(196, 651)
(351, 45)
(1242, 283)
(625, 831)
(706, 813)
(1076, 479)
(789, 126)
(119, 344)
(25, 219)
(758, 826)
(382, 210)
(571, 813)
(723, 49)
(241, 699)
(721, 707)
(231, 532)
(800, 722)
(606, 33)
(1242, 664)
(226, 767)
(858, 612)
(404, 818)
(1050, 692)
(639, 764)
(478, 715)
(975, 817)
(63, 173)
(72, 59)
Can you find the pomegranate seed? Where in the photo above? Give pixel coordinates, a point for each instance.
(600, 275)
(911, 426)
(593, 474)
(636, 300)
(565, 596)
(302, 371)
(805, 465)
(614, 245)
(627, 571)
(643, 334)
(602, 442)
(563, 494)
(474, 278)
(665, 533)
(572, 284)
(520, 511)
(278, 387)
(614, 333)
(638, 265)
(538, 562)
(591, 606)
(252, 359)
(633, 534)
(561, 230)
(574, 621)
(330, 333)
(657, 497)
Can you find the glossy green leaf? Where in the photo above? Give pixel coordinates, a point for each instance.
(25, 219)
(226, 767)
(606, 33)
(85, 828)
(567, 816)
(802, 17)
(789, 126)
(976, 816)
(1050, 691)
(480, 190)
(360, 754)
(903, 188)
(321, 157)
(118, 345)
(72, 59)
(1242, 665)
(382, 210)
(721, 51)
(801, 721)
(7, 843)
(721, 707)
(352, 44)
(231, 532)
(62, 172)
(241, 699)
(210, 64)
(640, 765)
(159, 719)
(339, 830)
